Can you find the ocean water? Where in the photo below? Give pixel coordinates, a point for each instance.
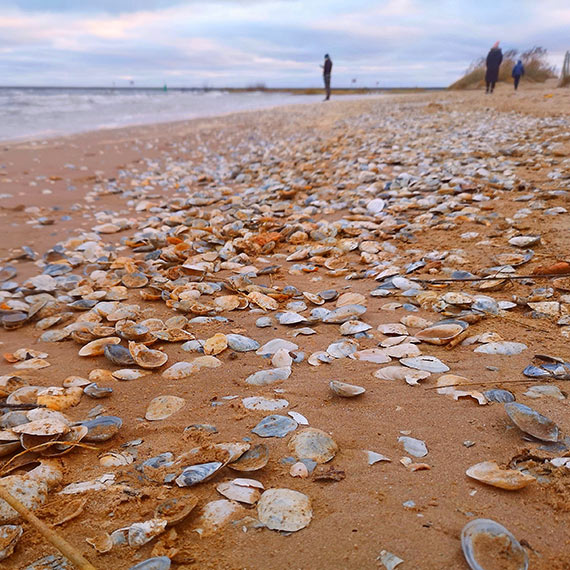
(32, 113)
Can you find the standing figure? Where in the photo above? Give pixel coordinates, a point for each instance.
(327, 68)
(518, 72)
(494, 59)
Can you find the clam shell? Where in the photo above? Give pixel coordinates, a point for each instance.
(401, 373)
(484, 540)
(342, 349)
(241, 343)
(504, 348)
(274, 426)
(154, 563)
(252, 460)
(354, 327)
(30, 492)
(42, 427)
(9, 536)
(241, 491)
(271, 347)
(284, 509)
(442, 332)
(425, 363)
(314, 444)
(451, 386)
(163, 407)
(350, 299)
(344, 313)
(531, 422)
(94, 391)
(413, 446)
(146, 357)
(97, 347)
(376, 355)
(396, 329)
(263, 301)
(143, 532)
(56, 398)
(264, 404)
(9, 384)
(126, 374)
(490, 473)
(184, 369)
(290, 318)
(345, 390)
(524, 241)
(269, 376)
(216, 514)
(102, 428)
(282, 359)
(176, 510)
(501, 396)
(403, 350)
(215, 344)
(195, 474)
(118, 355)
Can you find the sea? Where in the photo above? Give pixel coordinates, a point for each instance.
(38, 113)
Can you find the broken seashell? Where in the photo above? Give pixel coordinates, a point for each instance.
(163, 407)
(490, 473)
(345, 390)
(531, 422)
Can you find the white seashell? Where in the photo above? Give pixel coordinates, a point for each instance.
(353, 327)
(375, 355)
(504, 348)
(290, 318)
(282, 358)
(490, 473)
(215, 515)
(345, 390)
(403, 350)
(314, 444)
(163, 407)
(239, 492)
(264, 404)
(344, 313)
(425, 363)
(269, 376)
(399, 373)
(451, 386)
(271, 347)
(299, 418)
(284, 509)
(320, 357)
(413, 446)
(374, 457)
(393, 329)
(342, 349)
(524, 241)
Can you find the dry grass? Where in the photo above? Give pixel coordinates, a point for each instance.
(536, 69)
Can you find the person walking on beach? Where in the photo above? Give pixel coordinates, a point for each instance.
(494, 59)
(327, 68)
(518, 72)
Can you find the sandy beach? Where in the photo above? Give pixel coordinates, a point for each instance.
(340, 196)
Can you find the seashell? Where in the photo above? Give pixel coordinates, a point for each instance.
(184, 369)
(9, 384)
(24, 395)
(118, 355)
(154, 563)
(342, 349)
(143, 532)
(314, 444)
(114, 459)
(216, 514)
(32, 364)
(264, 322)
(252, 460)
(264, 404)
(42, 427)
(504, 348)
(484, 541)
(345, 390)
(274, 426)
(130, 330)
(500, 396)
(490, 473)
(524, 241)
(425, 363)
(284, 509)
(241, 343)
(31, 492)
(319, 357)
(163, 407)
(271, 347)
(315, 299)
(353, 327)
(539, 391)
(402, 350)
(393, 329)
(102, 543)
(389, 560)
(176, 510)
(9, 536)
(350, 299)
(241, 490)
(79, 381)
(374, 457)
(442, 332)
(195, 474)
(449, 384)
(375, 355)
(97, 347)
(399, 373)
(282, 358)
(216, 344)
(56, 398)
(531, 422)
(290, 318)
(146, 357)
(344, 313)
(328, 295)
(263, 301)
(415, 322)
(413, 446)
(102, 428)
(269, 376)
(97, 392)
(9, 443)
(134, 280)
(126, 374)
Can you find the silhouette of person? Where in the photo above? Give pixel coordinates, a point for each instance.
(327, 68)
(494, 59)
(518, 72)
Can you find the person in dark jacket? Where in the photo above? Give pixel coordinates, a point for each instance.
(518, 72)
(494, 59)
(327, 68)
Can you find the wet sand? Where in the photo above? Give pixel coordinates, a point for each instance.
(318, 150)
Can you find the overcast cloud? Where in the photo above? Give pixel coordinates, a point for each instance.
(277, 43)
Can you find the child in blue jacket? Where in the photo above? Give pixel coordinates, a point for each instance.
(518, 72)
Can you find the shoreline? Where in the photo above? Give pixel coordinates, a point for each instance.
(296, 170)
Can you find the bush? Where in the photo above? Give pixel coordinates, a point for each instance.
(536, 68)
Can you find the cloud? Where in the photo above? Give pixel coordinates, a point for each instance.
(279, 42)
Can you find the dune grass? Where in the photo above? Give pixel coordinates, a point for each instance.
(536, 67)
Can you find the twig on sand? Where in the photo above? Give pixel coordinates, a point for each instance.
(69, 551)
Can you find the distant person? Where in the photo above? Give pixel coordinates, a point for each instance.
(494, 60)
(518, 72)
(327, 68)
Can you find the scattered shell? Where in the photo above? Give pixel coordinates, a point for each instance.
(314, 444)
(531, 422)
(375, 355)
(484, 541)
(345, 390)
(413, 446)
(175, 510)
(400, 373)
(344, 313)
(389, 560)
(215, 515)
(102, 428)
(264, 404)
(274, 426)
(163, 407)
(241, 490)
(284, 509)
(252, 460)
(241, 343)
(442, 332)
(9, 536)
(215, 344)
(269, 376)
(195, 474)
(118, 354)
(425, 363)
(146, 357)
(501, 396)
(450, 385)
(503, 348)
(97, 347)
(353, 327)
(271, 347)
(524, 241)
(490, 473)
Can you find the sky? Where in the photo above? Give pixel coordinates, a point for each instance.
(277, 43)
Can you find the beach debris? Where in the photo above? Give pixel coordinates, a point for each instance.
(413, 446)
(241, 490)
(215, 515)
(284, 509)
(275, 426)
(163, 407)
(314, 444)
(345, 390)
(485, 541)
(253, 459)
(9, 536)
(490, 473)
(450, 385)
(531, 422)
(389, 560)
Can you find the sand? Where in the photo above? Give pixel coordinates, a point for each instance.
(354, 519)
